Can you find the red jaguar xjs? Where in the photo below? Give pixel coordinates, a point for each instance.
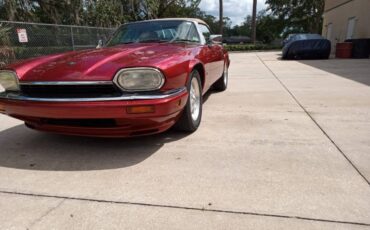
(150, 76)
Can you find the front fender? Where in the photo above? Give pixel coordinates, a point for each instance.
(195, 63)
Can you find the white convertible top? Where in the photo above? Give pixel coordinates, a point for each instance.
(179, 19)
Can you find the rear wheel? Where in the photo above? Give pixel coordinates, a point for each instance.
(221, 84)
(192, 114)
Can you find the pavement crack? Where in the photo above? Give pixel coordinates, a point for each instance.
(174, 207)
(314, 121)
(50, 210)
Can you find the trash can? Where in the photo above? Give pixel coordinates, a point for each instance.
(360, 48)
(344, 50)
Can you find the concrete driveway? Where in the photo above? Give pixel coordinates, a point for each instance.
(287, 146)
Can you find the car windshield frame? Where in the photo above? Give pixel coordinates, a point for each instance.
(156, 31)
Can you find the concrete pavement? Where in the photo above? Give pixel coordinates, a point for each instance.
(287, 146)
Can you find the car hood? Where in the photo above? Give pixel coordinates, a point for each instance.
(96, 65)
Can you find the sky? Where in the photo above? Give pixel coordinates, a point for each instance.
(236, 10)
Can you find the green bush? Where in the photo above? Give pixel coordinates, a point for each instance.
(250, 47)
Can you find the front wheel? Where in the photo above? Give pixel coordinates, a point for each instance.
(221, 84)
(192, 114)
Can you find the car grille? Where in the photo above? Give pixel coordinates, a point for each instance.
(70, 91)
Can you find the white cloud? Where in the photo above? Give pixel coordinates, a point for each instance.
(236, 10)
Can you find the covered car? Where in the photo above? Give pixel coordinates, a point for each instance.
(307, 46)
(150, 76)
(287, 39)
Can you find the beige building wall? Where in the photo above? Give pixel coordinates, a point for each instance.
(343, 16)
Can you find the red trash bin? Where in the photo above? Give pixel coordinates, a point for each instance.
(344, 50)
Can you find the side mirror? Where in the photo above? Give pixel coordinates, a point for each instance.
(215, 39)
(100, 44)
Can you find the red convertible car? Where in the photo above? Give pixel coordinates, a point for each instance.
(150, 76)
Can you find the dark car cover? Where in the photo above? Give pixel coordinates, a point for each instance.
(307, 47)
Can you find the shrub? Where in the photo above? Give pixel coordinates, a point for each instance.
(250, 47)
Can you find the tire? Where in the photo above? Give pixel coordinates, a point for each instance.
(221, 84)
(192, 113)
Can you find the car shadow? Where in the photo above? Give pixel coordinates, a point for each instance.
(353, 69)
(209, 93)
(26, 149)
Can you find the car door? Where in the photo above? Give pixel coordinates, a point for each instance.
(213, 57)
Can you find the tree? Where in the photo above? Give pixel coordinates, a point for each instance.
(16, 10)
(133, 9)
(103, 13)
(108, 13)
(268, 27)
(168, 8)
(254, 29)
(51, 11)
(299, 15)
(183, 8)
(221, 18)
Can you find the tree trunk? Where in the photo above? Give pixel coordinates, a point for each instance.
(51, 9)
(254, 15)
(11, 10)
(221, 17)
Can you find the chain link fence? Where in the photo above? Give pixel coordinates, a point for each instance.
(20, 40)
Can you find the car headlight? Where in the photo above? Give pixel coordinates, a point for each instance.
(139, 79)
(8, 81)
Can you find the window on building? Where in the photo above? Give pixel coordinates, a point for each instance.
(351, 28)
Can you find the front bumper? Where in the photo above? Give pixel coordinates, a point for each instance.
(37, 112)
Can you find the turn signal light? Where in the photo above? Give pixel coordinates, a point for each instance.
(140, 109)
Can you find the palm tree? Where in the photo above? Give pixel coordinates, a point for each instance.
(254, 15)
(221, 17)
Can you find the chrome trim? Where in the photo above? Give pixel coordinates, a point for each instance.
(66, 83)
(164, 95)
(115, 79)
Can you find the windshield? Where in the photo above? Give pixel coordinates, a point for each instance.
(155, 31)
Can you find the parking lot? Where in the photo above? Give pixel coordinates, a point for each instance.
(287, 146)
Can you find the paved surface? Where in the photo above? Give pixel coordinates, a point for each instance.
(287, 146)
